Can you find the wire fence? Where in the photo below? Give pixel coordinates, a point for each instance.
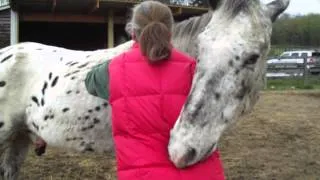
(297, 75)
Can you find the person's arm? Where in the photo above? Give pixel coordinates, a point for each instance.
(97, 81)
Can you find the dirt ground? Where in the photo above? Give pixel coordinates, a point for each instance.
(279, 140)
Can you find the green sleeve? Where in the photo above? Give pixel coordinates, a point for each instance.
(97, 81)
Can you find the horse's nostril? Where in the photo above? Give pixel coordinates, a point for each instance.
(185, 159)
(191, 154)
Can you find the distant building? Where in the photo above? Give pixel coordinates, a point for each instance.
(75, 24)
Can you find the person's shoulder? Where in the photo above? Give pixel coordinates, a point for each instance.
(126, 56)
(178, 55)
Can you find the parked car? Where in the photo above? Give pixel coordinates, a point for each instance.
(298, 57)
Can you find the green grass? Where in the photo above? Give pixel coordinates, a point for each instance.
(294, 83)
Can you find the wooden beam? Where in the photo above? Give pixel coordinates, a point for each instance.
(176, 10)
(14, 27)
(54, 5)
(72, 18)
(95, 6)
(110, 28)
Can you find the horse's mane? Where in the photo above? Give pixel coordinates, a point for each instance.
(185, 32)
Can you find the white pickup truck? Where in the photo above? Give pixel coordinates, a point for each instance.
(296, 59)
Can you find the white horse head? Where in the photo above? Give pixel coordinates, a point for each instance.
(231, 70)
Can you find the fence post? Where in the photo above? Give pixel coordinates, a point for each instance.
(306, 72)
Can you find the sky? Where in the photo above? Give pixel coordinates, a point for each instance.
(301, 7)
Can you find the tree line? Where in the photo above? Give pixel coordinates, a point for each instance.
(293, 31)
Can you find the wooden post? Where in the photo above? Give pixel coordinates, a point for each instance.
(54, 4)
(110, 29)
(306, 72)
(14, 27)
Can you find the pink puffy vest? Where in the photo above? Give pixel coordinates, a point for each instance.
(146, 100)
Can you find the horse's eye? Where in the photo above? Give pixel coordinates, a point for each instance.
(252, 59)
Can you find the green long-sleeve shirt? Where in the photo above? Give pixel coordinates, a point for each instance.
(97, 81)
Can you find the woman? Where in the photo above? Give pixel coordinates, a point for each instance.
(147, 87)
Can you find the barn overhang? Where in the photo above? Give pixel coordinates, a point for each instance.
(109, 12)
(91, 7)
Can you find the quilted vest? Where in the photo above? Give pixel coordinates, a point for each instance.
(146, 100)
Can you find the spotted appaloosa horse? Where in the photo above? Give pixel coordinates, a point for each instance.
(42, 91)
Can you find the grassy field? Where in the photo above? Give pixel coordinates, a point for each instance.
(313, 82)
(279, 140)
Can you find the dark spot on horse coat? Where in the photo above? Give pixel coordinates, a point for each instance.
(77, 92)
(237, 71)
(46, 117)
(61, 58)
(6, 58)
(54, 50)
(96, 120)
(105, 104)
(237, 58)
(230, 63)
(243, 91)
(68, 92)
(71, 73)
(35, 99)
(90, 111)
(89, 148)
(72, 64)
(226, 120)
(217, 96)
(54, 82)
(45, 85)
(1, 124)
(86, 128)
(42, 102)
(91, 126)
(50, 75)
(198, 107)
(97, 108)
(65, 109)
(39, 49)
(83, 129)
(52, 116)
(83, 65)
(87, 117)
(68, 63)
(35, 126)
(82, 143)
(73, 77)
(2, 83)
(88, 56)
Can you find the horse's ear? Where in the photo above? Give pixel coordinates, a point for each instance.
(213, 4)
(275, 8)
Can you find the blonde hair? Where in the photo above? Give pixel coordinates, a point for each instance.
(152, 24)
